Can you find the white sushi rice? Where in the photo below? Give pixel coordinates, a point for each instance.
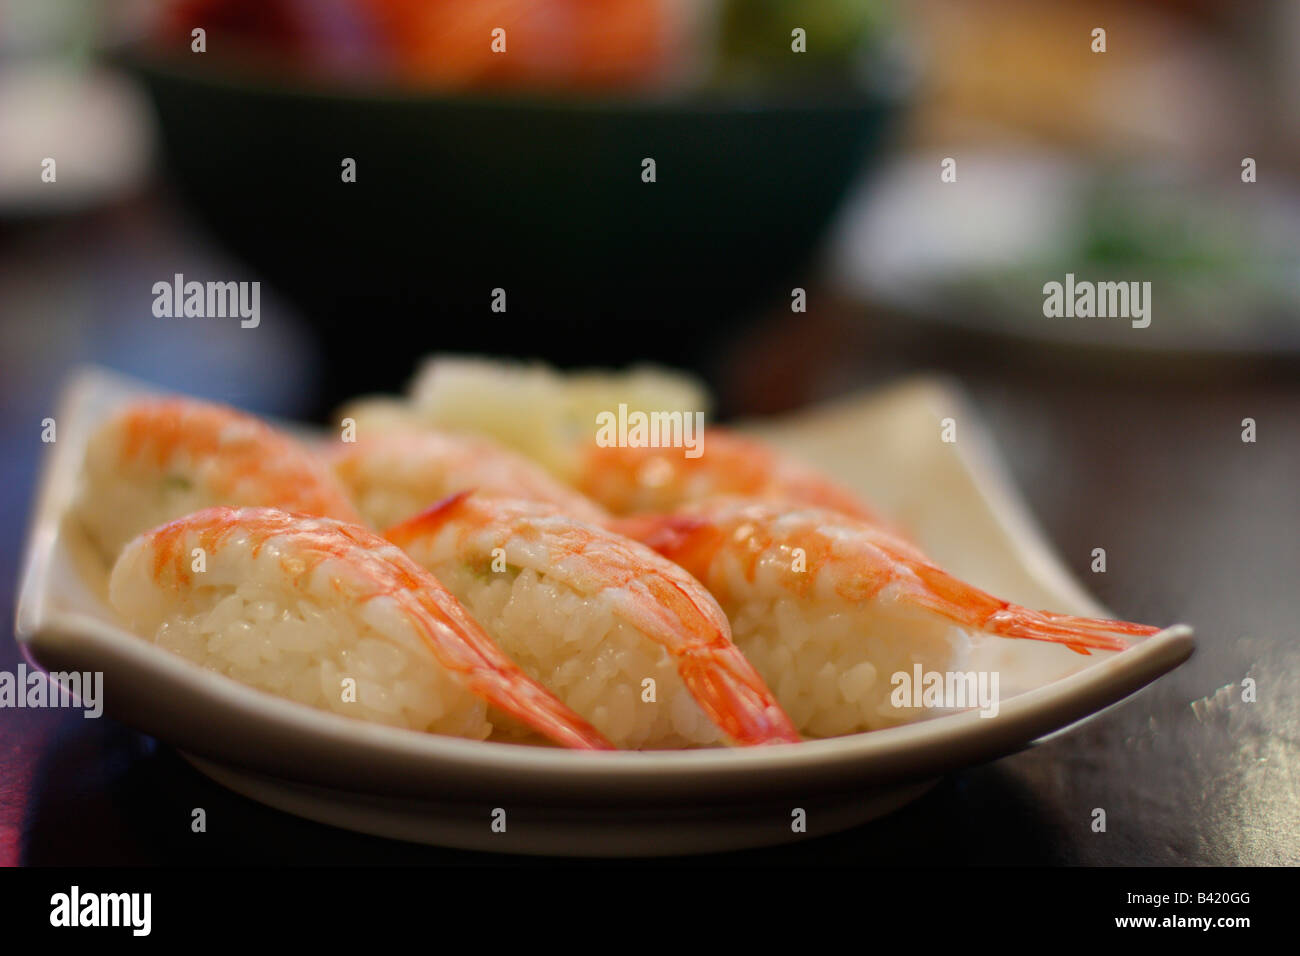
(384, 504)
(117, 500)
(829, 661)
(579, 649)
(244, 617)
(403, 473)
(123, 493)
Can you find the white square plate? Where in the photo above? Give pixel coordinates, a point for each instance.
(952, 497)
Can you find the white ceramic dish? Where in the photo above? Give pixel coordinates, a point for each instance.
(421, 787)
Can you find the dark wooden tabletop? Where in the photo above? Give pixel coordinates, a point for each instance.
(1141, 457)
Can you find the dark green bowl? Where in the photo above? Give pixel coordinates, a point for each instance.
(457, 196)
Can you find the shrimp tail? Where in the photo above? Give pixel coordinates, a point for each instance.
(667, 534)
(428, 520)
(690, 540)
(720, 678)
(733, 696)
(960, 602)
(541, 711)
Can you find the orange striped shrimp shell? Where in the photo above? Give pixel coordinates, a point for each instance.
(247, 461)
(400, 472)
(377, 569)
(161, 458)
(813, 552)
(657, 480)
(654, 595)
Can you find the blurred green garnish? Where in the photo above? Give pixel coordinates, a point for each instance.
(756, 36)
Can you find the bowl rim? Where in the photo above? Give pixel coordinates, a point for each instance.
(884, 87)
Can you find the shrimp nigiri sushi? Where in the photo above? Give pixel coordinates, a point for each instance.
(330, 615)
(659, 479)
(829, 609)
(625, 638)
(398, 473)
(158, 459)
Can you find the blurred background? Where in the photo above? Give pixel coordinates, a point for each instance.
(774, 170)
(524, 170)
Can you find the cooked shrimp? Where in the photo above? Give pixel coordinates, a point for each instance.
(660, 480)
(400, 472)
(295, 605)
(827, 607)
(626, 638)
(162, 458)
